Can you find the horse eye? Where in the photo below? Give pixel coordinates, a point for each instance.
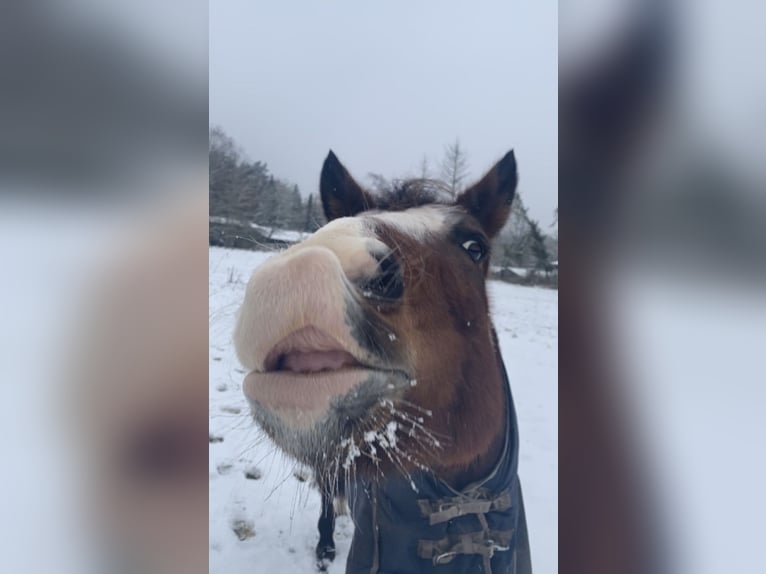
(474, 249)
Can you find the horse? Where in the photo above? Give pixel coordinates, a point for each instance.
(372, 358)
(332, 491)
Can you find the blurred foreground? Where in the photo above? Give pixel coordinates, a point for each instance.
(663, 238)
(103, 239)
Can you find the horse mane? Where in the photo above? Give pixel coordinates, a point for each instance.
(408, 193)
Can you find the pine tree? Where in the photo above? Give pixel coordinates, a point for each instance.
(538, 248)
(314, 218)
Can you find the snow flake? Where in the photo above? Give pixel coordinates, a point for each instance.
(352, 454)
(391, 429)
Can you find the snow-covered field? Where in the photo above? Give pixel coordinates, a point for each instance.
(263, 510)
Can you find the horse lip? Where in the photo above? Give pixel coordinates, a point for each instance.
(309, 340)
(355, 367)
(287, 402)
(312, 339)
(301, 362)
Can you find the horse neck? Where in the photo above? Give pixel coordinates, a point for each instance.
(485, 420)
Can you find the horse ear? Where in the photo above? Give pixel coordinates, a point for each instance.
(341, 195)
(490, 199)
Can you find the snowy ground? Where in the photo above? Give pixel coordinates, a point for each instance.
(263, 511)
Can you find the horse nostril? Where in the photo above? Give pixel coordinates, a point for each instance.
(387, 284)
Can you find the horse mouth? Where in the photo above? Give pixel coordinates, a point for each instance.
(302, 362)
(308, 371)
(309, 350)
(312, 390)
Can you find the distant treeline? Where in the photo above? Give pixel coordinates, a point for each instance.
(245, 192)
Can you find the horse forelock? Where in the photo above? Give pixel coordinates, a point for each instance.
(408, 193)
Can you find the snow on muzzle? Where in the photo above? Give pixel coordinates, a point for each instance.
(313, 350)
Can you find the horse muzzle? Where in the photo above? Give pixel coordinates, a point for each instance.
(320, 361)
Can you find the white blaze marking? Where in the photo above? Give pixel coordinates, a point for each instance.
(417, 222)
(351, 239)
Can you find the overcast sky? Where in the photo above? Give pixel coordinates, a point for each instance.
(383, 83)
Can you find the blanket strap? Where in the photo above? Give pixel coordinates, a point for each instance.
(485, 544)
(445, 509)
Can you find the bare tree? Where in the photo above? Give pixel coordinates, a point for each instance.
(314, 217)
(454, 167)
